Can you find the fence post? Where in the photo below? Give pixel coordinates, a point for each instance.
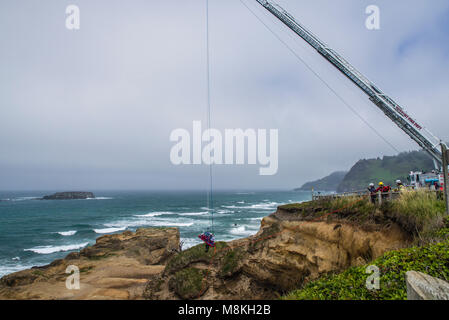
(444, 151)
(379, 198)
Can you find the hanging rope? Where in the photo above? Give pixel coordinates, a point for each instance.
(209, 193)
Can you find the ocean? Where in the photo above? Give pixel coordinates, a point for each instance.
(36, 232)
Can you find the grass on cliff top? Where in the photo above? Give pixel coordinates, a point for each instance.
(417, 212)
(348, 206)
(192, 255)
(351, 284)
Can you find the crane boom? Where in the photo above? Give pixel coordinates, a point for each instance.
(423, 137)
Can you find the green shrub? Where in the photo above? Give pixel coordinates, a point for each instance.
(351, 284)
(188, 283)
(230, 262)
(192, 255)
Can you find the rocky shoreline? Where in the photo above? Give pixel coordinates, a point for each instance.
(290, 248)
(117, 266)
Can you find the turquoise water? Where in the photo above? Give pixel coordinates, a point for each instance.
(35, 232)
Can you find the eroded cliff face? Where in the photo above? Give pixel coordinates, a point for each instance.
(280, 257)
(291, 247)
(116, 267)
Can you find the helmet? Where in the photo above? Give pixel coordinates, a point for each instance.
(381, 183)
(398, 181)
(371, 184)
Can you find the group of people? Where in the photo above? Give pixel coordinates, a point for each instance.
(384, 189)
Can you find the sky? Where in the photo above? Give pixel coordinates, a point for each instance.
(93, 109)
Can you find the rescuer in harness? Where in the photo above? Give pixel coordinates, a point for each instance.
(208, 239)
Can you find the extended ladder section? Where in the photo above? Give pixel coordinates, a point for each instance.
(394, 111)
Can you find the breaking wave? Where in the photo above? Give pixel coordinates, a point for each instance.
(67, 233)
(53, 249)
(109, 230)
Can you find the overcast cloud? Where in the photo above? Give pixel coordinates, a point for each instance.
(94, 108)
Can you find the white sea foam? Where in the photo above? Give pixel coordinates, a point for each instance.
(224, 211)
(109, 230)
(190, 242)
(16, 259)
(99, 198)
(261, 206)
(67, 233)
(23, 198)
(194, 213)
(241, 231)
(171, 224)
(130, 223)
(7, 269)
(258, 218)
(53, 249)
(154, 214)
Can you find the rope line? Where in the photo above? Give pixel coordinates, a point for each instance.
(209, 193)
(320, 78)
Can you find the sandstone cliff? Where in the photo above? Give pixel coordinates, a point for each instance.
(116, 267)
(291, 248)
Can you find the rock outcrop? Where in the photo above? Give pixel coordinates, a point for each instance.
(116, 267)
(289, 250)
(72, 195)
(421, 286)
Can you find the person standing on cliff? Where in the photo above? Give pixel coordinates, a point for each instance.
(372, 191)
(399, 186)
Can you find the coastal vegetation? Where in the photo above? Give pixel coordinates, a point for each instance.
(193, 255)
(230, 262)
(187, 283)
(420, 213)
(432, 259)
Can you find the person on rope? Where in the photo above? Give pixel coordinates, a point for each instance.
(208, 238)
